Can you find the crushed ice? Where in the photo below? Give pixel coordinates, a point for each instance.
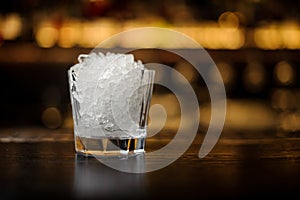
(101, 80)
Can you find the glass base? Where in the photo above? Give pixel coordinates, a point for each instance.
(109, 146)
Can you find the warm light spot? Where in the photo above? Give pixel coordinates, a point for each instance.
(243, 115)
(260, 37)
(268, 37)
(149, 21)
(289, 121)
(291, 38)
(274, 38)
(290, 33)
(278, 36)
(227, 73)
(209, 35)
(283, 99)
(11, 26)
(284, 73)
(46, 35)
(188, 30)
(231, 38)
(228, 20)
(212, 36)
(254, 77)
(69, 34)
(107, 28)
(52, 118)
(156, 38)
(186, 70)
(196, 33)
(90, 36)
(94, 32)
(199, 35)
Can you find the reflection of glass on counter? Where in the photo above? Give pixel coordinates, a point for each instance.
(92, 178)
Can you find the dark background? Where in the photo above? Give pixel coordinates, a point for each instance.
(34, 77)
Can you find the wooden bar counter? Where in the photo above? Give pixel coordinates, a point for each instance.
(41, 163)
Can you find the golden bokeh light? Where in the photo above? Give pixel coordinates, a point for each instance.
(289, 121)
(228, 20)
(254, 77)
(227, 73)
(90, 33)
(267, 38)
(284, 73)
(187, 70)
(290, 33)
(52, 117)
(11, 26)
(212, 36)
(285, 35)
(244, 115)
(69, 34)
(283, 99)
(46, 35)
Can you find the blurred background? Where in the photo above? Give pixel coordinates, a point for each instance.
(254, 43)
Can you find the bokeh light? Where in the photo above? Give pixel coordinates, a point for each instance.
(11, 26)
(46, 35)
(254, 77)
(284, 73)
